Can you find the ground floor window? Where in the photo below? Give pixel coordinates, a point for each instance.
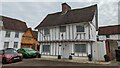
(46, 48)
(80, 49)
(6, 44)
(15, 44)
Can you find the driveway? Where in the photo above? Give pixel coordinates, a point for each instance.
(31, 63)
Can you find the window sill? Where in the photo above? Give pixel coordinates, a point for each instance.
(47, 35)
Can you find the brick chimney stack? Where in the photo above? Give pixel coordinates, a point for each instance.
(65, 7)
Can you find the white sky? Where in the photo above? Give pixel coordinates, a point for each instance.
(34, 11)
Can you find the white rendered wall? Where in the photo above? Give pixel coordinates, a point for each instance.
(11, 39)
(99, 50)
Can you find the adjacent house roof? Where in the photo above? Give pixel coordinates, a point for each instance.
(13, 24)
(72, 16)
(34, 33)
(109, 30)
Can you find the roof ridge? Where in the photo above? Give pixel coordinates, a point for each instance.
(75, 9)
(12, 18)
(109, 26)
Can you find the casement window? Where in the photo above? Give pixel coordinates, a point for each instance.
(62, 28)
(107, 36)
(28, 38)
(46, 48)
(16, 34)
(7, 34)
(15, 44)
(6, 44)
(80, 48)
(46, 31)
(80, 29)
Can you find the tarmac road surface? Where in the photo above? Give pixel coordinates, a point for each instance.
(32, 63)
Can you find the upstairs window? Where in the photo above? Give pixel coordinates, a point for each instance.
(16, 34)
(62, 28)
(27, 38)
(7, 34)
(46, 31)
(80, 29)
(15, 44)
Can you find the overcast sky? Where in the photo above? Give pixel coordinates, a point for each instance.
(34, 12)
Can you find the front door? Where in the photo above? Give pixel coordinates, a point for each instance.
(66, 51)
(108, 50)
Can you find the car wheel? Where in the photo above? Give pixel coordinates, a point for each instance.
(36, 56)
(21, 58)
(4, 60)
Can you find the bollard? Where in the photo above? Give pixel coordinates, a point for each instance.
(90, 57)
(107, 58)
(59, 56)
(39, 56)
(70, 57)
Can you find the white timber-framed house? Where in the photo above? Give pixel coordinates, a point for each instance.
(11, 31)
(69, 32)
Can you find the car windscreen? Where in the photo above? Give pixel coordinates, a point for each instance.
(11, 52)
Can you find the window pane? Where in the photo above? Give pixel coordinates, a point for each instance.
(6, 44)
(27, 38)
(46, 31)
(80, 28)
(7, 34)
(15, 44)
(1, 52)
(46, 48)
(16, 34)
(62, 28)
(81, 48)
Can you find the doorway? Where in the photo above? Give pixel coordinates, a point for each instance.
(66, 51)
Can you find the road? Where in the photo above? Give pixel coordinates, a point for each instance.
(32, 63)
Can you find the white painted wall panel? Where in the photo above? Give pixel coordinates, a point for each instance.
(11, 39)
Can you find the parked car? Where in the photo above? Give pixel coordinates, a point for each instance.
(10, 55)
(28, 52)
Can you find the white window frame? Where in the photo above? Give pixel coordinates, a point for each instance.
(7, 34)
(16, 34)
(6, 44)
(62, 28)
(46, 51)
(78, 30)
(79, 48)
(15, 44)
(46, 31)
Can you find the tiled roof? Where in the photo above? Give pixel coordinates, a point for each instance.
(72, 16)
(13, 24)
(115, 29)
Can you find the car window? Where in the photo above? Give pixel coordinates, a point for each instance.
(29, 49)
(1, 52)
(11, 52)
